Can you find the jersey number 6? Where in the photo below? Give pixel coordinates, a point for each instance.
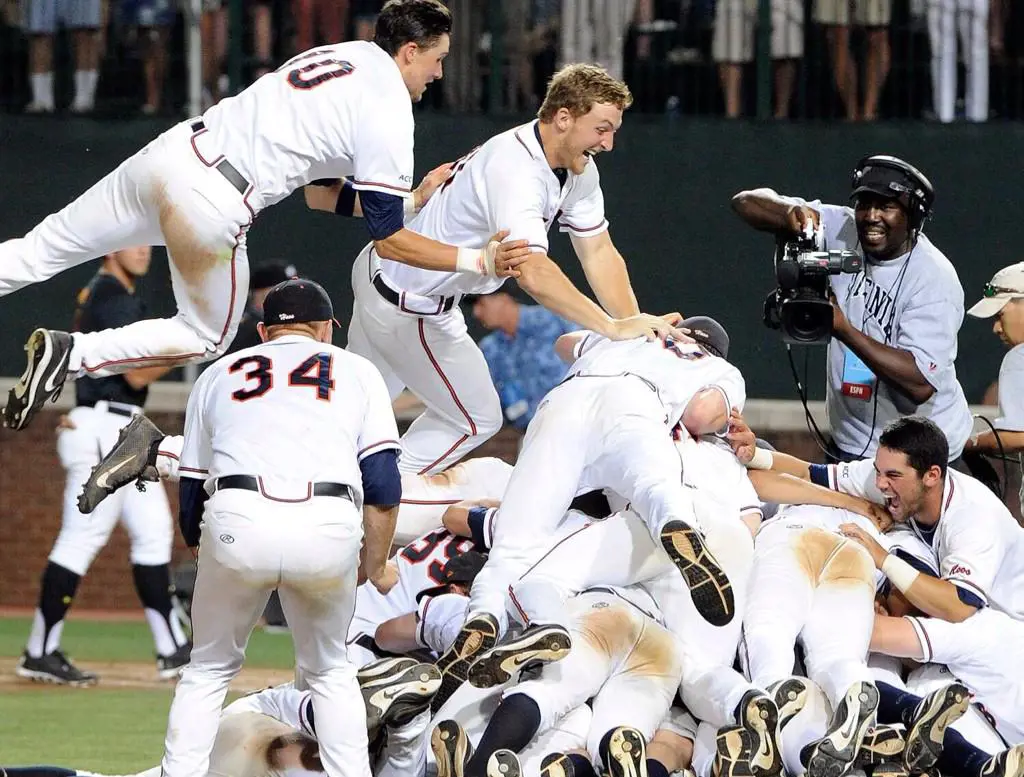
(314, 371)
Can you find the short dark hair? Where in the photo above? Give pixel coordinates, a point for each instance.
(920, 440)
(422, 22)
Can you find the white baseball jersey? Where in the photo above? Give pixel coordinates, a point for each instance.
(331, 112)
(915, 303)
(324, 408)
(718, 480)
(1011, 400)
(507, 183)
(675, 371)
(977, 543)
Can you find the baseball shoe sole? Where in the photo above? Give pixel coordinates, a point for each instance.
(396, 690)
(790, 696)
(557, 765)
(504, 763)
(54, 668)
(833, 755)
(890, 769)
(884, 743)
(625, 754)
(935, 712)
(543, 644)
(1009, 763)
(132, 458)
(43, 379)
(760, 716)
(733, 748)
(451, 747)
(477, 635)
(709, 587)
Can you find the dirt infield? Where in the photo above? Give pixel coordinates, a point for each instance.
(123, 674)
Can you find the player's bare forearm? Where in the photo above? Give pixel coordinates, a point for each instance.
(782, 488)
(143, 376)
(763, 209)
(378, 533)
(544, 280)
(938, 598)
(607, 274)
(895, 366)
(895, 637)
(789, 465)
(415, 250)
(986, 442)
(397, 635)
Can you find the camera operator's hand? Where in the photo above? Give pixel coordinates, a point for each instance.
(798, 217)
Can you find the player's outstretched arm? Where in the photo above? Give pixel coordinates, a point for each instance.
(895, 637)
(781, 488)
(397, 635)
(986, 442)
(769, 211)
(337, 195)
(606, 273)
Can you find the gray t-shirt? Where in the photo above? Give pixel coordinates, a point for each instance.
(914, 302)
(1011, 401)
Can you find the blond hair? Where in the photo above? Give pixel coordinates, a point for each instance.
(579, 87)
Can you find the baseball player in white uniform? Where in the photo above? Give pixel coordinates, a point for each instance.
(340, 110)
(406, 318)
(1004, 299)
(285, 443)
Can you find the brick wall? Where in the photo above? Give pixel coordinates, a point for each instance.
(31, 493)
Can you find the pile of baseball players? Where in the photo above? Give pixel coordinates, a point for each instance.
(650, 589)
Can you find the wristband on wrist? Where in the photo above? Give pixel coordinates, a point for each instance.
(409, 205)
(899, 572)
(470, 260)
(762, 459)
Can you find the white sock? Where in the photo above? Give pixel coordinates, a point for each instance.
(42, 88)
(85, 87)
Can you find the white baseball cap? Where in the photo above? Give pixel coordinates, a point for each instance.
(1007, 284)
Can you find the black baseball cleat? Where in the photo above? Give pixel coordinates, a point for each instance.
(624, 753)
(169, 667)
(132, 458)
(476, 636)
(538, 644)
(890, 769)
(557, 765)
(759, 715)
(504, 763)
(833, 755)
(791, 696)
(709, 586)
(452, 749)
(43, 379)
(734, 746)
(936, 711)
(396, 690)
(1009, 763)
(884, 743)
(53, 668)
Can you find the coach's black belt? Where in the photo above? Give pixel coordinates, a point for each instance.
(395, 298)
(224, 167)
(249, 483)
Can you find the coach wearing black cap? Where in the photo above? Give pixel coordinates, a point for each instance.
(895, 323)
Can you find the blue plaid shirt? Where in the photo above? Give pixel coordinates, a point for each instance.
(524, 368)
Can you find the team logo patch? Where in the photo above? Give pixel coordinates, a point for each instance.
(227, 539)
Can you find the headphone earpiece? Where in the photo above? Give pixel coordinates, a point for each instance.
(920, 192)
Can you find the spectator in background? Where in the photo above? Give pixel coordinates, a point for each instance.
(319, 22)
(261, 19)
(532, 28)
(153, 20)
(970, 18)
(733, 46)
(213, 34)
(462, 75)
(84, 19)
(364, 17)
(837, 17)
(520, 352)
(595, 31)
(262, 279)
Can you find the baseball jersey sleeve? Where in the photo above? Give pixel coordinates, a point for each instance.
(197, 451)
(583, 209)
(379, 430)
(515, 201)
(438, 620)
(383, 158)
(1011, 392)
(972, 557)
(855, 477)
(943, 642)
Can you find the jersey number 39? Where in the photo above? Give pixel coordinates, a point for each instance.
(314, 372)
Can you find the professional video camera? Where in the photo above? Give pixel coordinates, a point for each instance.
(800, 306)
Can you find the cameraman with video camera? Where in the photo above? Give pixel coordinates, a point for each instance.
(894, 321)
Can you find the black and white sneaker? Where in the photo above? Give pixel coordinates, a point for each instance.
(557, 765)
(759, 715)
(396, 690)
(833, 755)
(132, 458)
(935, 712)
(504, 763)
(709, 586)
(540, 644)
(169, 667)
(1009, 763)
(734, 746)
(53, 668)
(43, 379)
(890, 769)
(791, 696)
(476, 636)
(452, 749)
(884, 743)
(625, 754)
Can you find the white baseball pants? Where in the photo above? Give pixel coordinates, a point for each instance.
(169, 193)
(436, 359)
(595, 31)
(969, 18)
(309, 551)
(815, 586)
(589, 432)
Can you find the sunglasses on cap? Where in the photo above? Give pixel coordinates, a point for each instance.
(995, 291)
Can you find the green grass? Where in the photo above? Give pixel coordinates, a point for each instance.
(114, 731)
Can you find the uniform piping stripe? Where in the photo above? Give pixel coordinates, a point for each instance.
(444, 455)
(404, 189)
(972, 587)
(430, 501)
(394, 443)
(194, 469)
(923, 638)
(168, 454)
(554, 548)
(585, 229)
(522, 612)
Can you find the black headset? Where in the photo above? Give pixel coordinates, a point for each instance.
(911, 181)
